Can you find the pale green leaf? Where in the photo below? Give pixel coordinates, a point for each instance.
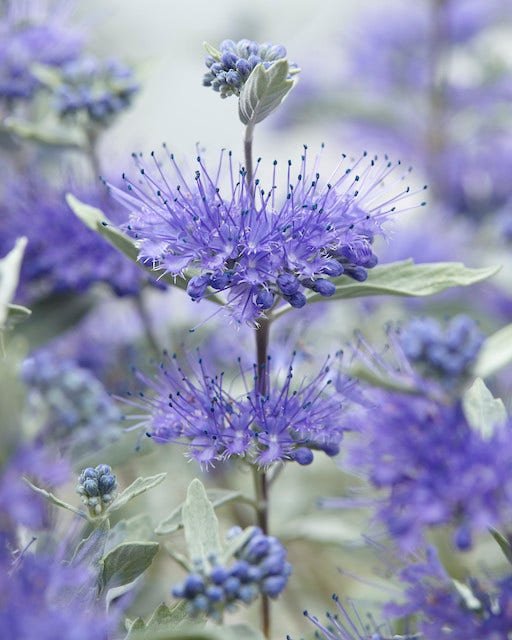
(215, 53)
(126, 562)
(96, 220)
(496, 353)
(47, 132)
(200, 524)
(56, 501)
(504, 542)
(483, 412)
(138, 486)
(218, 497)
(130, 530)
(16, 313)
(264, 91)
(10, 266)
(409, 279)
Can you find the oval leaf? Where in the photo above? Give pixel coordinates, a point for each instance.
(126, 562)
(496, 352)
(483, 411)
(200, 524)
(136, 488)
(264, 91)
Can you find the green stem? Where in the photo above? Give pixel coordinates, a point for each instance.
(261, 491)
(249, 132)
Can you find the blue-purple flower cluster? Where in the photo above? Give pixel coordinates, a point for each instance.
(259, 249)
(97, 488)
(67, 398)
(260, 567)
(33, 33)
(98, 89)
(195, 408)
(446, 609)
(445, 353)
(434, 469)
(228, 72)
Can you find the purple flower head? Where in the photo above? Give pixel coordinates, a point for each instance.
(433, 469)
(229, 71)
(196, 408)
(261, 250)
(42, 598)
(62, 254)
(444, 352)
(96, 89)
(73, 409)
(33, 32)
(447, 609)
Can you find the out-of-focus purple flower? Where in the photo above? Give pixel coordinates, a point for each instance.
(19, 504)
(98, 89)
(230, 70)
(37, 31)
(433, 469)
(195, 408)
(43, 598)
(446, 353)
(262, 249)
(74, 411)
(445, 609)
(62, 254)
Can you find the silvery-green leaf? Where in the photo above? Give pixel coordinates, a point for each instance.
(56, 501)
(215, 53)
(47, 132)
(96, 220)
(137, 528)
(504, 542)
(10, 266)
(126, 562)
(496, 352)
(404, 278)
(264, 91)
(483, 412)
(218, 497)
(138, 486)
(200, 524)
(229, 632)
(16, 313)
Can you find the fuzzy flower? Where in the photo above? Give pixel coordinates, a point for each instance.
(444, 352)
(62, 255)
(260, 567)
(96, 89)
(43, 598)
(229, 70)
(33, 32)
(287, 423)
(262, 250)
(433, 469)
(73, 408)
(447, 609)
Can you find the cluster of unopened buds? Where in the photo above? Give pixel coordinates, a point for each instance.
(260, 567)
(97, 487)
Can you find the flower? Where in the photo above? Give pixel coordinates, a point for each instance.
(62, 254)
(196, 409)
(30, 33)
(97, 89)
(261, 250)
(230, 67)
(98, 487)
(449, 609)
(433, 469)
(260, 567)
(443, 352)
